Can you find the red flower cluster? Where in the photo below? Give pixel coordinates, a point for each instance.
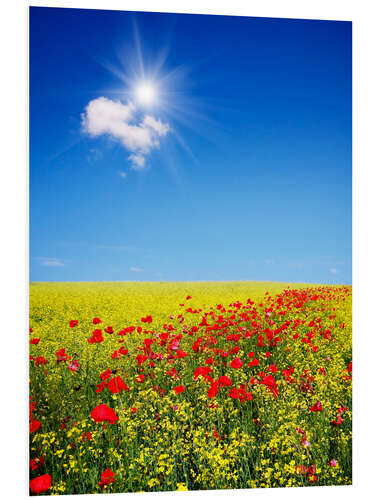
(96, 337)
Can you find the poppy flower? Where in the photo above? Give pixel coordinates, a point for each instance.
(338, 421)
(272, 368)
(107, 477)
(34, 341)
(224, 381)
(35, 463)
(109, 329)
(34, 425)
(116, 384)
(147, 319)
(97, 336)
(332, 463)
(40, 360)
(253, 362)
(178, 389)
(188, 297)
(61, 355)
(96, 321)
(73, 323)
(105, 375)
(236, 363)
(86, 436)
(74, 366)
(316, 407)
(41, 483)
(102, 413)
(140, 379)
(213, 390)
(270, 383)
(181, 354)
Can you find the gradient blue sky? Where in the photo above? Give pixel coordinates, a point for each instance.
(252, 180)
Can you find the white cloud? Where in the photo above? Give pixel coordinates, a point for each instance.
(138, 161)
(136, 269)
(103, 116)
(333, 270)
(52, 262)
(122, 174)
(157, 125)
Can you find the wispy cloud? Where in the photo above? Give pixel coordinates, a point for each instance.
(134, 269)
(122, 175)
(51, 261)
(120, 121)
(333, 270)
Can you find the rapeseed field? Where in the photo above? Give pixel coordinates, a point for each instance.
(189, 386)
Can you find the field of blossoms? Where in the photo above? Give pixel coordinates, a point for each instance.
(188, 386)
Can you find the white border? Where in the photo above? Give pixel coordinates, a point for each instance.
(14, 230)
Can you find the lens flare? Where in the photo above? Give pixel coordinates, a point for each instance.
(146, 93)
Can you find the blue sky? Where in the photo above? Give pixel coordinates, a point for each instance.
(239, 168)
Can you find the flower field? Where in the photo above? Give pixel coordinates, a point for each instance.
(188, 386)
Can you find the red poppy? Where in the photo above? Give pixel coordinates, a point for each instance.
(41, 483)
(86, 436)
(105, 375)
(102, 413)
(272, 368)
(96, 321)
(61, 355)
(74, 366)
(147, 319)
(109, 329)
(316, 407)
(97, 336)
(253, 362)
(178, 389)
(73, 323)
(236, 363)
(338, 421)
(107, 477)
(188, 297)
(34, 341)
(224, 381)
(34, 425)
(140, 379)
(181, 354)
(35, 463)
(116, 384)
(141, 358)
(213, 390)
(270, 383)
(40, 360)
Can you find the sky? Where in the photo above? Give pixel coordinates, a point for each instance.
(177, 147)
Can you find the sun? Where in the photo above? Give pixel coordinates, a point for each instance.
(146, 93)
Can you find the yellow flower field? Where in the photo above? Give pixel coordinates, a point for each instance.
(189, 386)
